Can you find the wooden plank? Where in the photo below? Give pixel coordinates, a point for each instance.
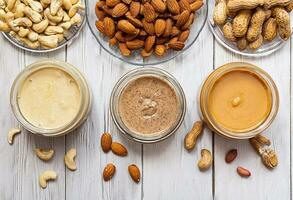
(264, 183)
(19, 175)
(101, 71)
(170, 172)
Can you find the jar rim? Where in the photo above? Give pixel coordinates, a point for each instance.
(218, 73)
(133, 75)
(85, 97)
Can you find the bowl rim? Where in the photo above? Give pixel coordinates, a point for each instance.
(163, 60)
(68, 42)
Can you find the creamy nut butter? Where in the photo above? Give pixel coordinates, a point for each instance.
(49, 98)
(148, 105)
(238, 100)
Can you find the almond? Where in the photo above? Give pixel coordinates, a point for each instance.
(148, 27)
(136, 22)
(100, 26)
(109, 172)
(183, 18)
(177, 46)
(160, 26)
(231, 155)
(118, 148)
(120, 36)
(135, 44)
(188, 23)
(98, 10)
(173, 6)
(196, 5)
(107, 10)
(134, 172)
(127, 1)
(149, 43)
(145, 54)
(158, 5)
(183, 36)
(127, 27)
(125, 52)
(109, 27)
(175, 31)
(106, 141)
(161, 40)
(149, 12)
(243, 172)
(112, 3)
(160, 50)
(134, 8)
(174, 39)
(143, 33)
(129, 37)
(113, 41)
(168, 29)
(100, 4)
(119, 10)
(184, 5)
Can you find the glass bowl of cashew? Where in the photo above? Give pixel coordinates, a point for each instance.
(41, 25)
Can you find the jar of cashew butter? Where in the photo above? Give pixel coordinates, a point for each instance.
(147, 105)
(238, 100)
(50, 98)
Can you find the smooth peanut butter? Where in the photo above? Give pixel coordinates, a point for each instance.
(49, 98)
(148, 105)
(239, 100)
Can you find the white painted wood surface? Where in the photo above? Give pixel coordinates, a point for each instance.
(168, 171)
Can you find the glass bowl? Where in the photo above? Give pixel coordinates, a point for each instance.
(73, 33)
(136, 58)
(265, 49)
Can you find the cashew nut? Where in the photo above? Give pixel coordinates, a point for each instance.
(44, 154)
(23, 32)
(76, 19)
(74, 2)
(33, 36)
(9, 17)
(67, 4)
(2, 4)
(41, 27)
(47, 2)
(10, 4)
(53, 30)
(50, 41)
(27, 42)
(206, 160)
(73, 10)
(66, 18)
(33, 15)
(60, 37)
(60, 13)
(69, 159)
(19, 10)
(35, 5)
(65, 25)
(23, 21)
(55, 19)
(12, 132)
(55, 6)
(2, 15)
(5, 28)
(46, 176)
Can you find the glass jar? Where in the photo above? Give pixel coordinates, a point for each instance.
(124, 81)
(208, 86)
(85, 98)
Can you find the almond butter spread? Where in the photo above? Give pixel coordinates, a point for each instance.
(239, 100)
(148, 105)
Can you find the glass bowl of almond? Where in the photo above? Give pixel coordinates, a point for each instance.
(146, 32)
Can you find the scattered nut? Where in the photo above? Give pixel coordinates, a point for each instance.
(231, 155)
(118, 149)
(106, 142)
(109, 172)
(263, 140)
(69, 159)
(44, 154)
(46, 176)
(243, 172)
(206, 160)
(134, 173)
(191, 137)
(11, 134)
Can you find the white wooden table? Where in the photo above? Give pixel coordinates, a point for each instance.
(169, 171)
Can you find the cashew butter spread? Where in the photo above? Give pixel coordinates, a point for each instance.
(239, 100)
(49, 98)
(149, 105)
